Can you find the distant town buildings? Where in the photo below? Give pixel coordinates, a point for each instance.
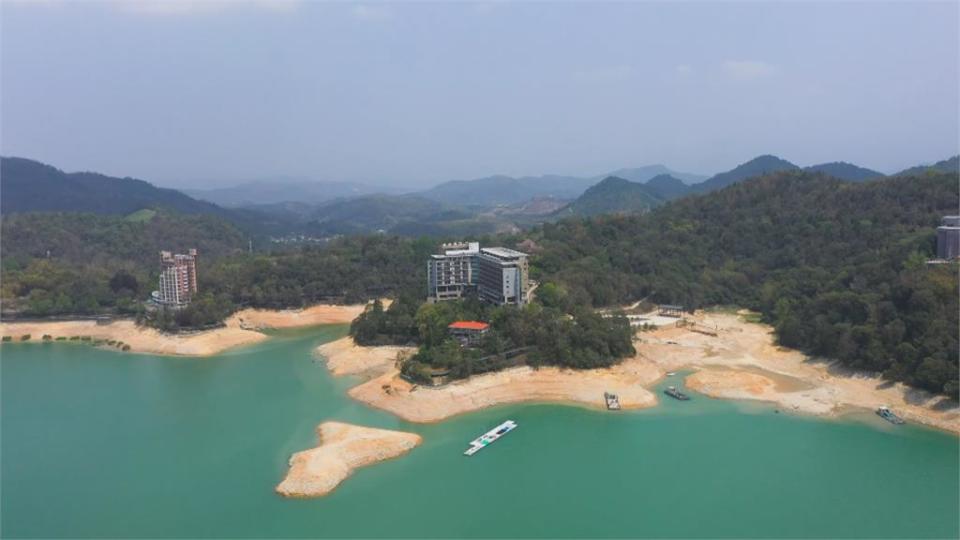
(948, 238)
(178, 278)
(497, 275)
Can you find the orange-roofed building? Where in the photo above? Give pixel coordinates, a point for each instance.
(468, 332)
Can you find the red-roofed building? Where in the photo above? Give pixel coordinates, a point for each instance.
(468, 332)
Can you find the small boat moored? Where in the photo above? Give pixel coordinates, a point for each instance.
(888, 415)
(613, 401)
(676, 394)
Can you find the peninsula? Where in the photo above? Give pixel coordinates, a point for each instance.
(342, 449)
(731, 358)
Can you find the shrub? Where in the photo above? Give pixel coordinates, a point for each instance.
(7, 338)
(47, 337)
(25, 337)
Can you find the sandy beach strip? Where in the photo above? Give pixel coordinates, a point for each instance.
(742, 361)
(342, 449)
(139, 338)
(731, 358)
(241, 330)
(294, 318)
(344, 357)
(416, 403)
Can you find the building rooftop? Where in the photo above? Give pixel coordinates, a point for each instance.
(503, 253)
(468, 325)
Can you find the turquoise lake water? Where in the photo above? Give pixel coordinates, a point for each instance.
(106, 444)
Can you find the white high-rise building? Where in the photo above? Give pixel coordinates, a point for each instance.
(178, 278)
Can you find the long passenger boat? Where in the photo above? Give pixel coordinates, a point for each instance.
(482, 441)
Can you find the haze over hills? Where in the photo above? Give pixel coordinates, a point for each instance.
(472, 207)
(645, 174)
(500, 189)
(379, 212)
(284, 189)
(512, 192)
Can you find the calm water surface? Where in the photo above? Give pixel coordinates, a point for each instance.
(103, 444)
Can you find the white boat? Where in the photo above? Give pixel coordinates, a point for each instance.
(482, 441)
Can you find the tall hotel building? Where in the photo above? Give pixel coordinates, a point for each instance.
(948, 238)
(454, 273)
(497, 275)
(178, 278)
(504, 276)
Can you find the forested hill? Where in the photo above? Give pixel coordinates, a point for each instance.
(837, 267)
(755, 167)
(949, 165)
(611, 196)
(845, 171)
(31, 186)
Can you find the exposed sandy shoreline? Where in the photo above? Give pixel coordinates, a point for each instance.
(520, 384)
(343, 448)
(387, 391)
(344, 357)
(742, 362)
(241, 329)
(292, 318)
(739, 361)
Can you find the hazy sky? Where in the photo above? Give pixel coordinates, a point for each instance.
(181, 92)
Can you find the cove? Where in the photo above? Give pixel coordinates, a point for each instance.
(104, 444)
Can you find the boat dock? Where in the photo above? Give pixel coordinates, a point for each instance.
(612, 400)
(482, 441)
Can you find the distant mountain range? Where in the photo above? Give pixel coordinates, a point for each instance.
(284, 189)
(508, 190)
(479, 206)
(645, 174)
(31, 186)
(618, 195)
(372, 213)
